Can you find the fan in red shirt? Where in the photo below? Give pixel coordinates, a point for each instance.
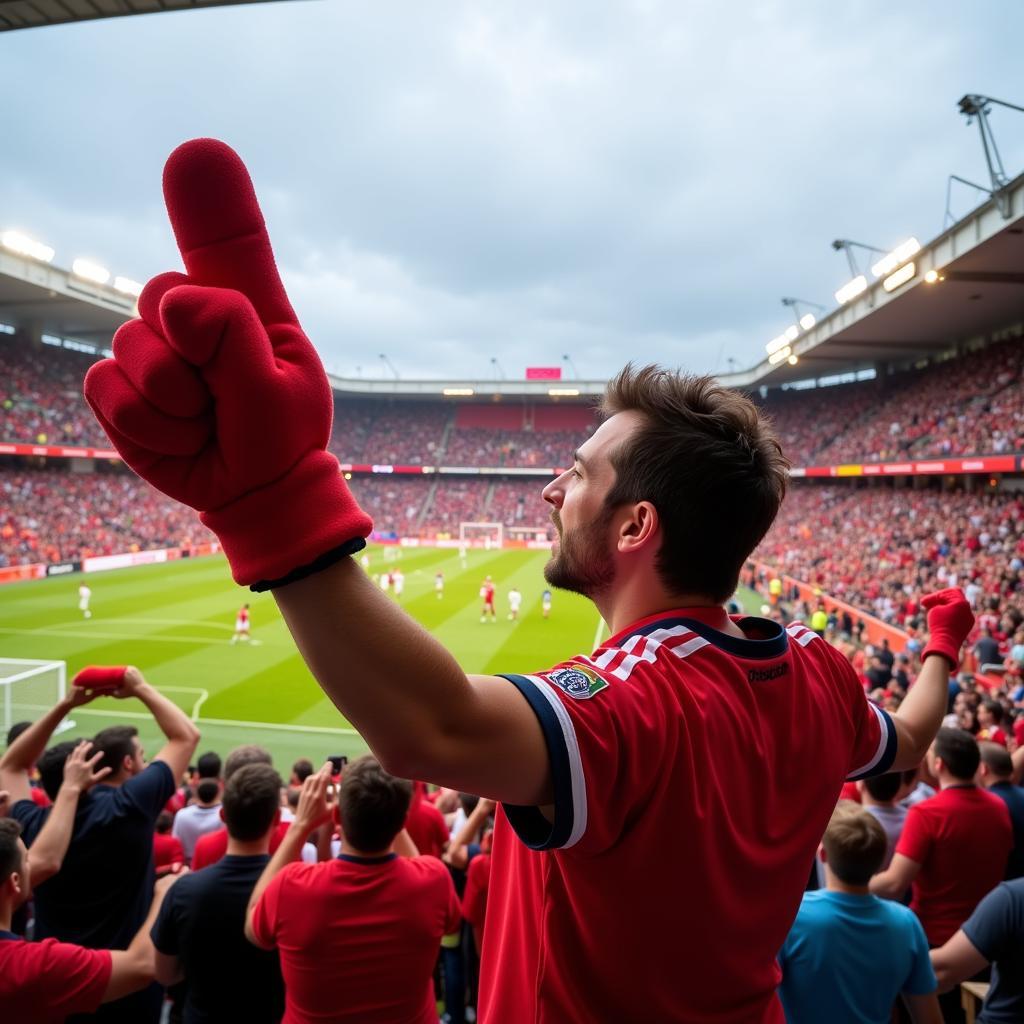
(954, 846)
(168, 853)
(666, 788)
(47, 981)
(426, 826)
(358, 936)
(211, 847)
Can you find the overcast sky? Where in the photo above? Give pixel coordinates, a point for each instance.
(451, 182)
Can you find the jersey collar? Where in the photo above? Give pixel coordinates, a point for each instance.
(709, 623)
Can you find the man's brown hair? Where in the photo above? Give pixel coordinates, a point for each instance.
(708, 462)
(116, 743)
(996, 758)
(251, 800)
(855, 843)
(372, 805)
(250, 753)
(10, 852)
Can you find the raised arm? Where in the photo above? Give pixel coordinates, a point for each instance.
(80, 773)
(22, 754)
(919, 718)
(177, 402)
(181, 732)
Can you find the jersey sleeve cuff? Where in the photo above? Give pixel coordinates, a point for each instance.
(570, 817)
(885, 753)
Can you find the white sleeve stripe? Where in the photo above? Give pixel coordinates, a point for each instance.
(883, 740)
(578, 781)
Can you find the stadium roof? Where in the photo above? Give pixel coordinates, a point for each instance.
(57, 302)
(15, 14)
(979, 263)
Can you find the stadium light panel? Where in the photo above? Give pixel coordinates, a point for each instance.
(793, 360)
(852, 289)
(15, 241)
(902, 253)
(932, 276)
(89, 271)
(781, 355)
(563, 392)
(776, 343)
(901, 277)
(127, 286)
(7, 329)
(457, 392)
(807, 321)
(792, 333)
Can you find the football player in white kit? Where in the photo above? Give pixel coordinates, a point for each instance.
(439, 585)
(515, 599)
(398, 582)
(84, 593)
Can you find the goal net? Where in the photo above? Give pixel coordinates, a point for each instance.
(29, 688)
(482, 535)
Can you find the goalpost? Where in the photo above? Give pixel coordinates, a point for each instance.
(29, 688)
(482, 535)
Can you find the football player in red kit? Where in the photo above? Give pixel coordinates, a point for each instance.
(487, 596)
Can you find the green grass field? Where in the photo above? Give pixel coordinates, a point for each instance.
(175, 621)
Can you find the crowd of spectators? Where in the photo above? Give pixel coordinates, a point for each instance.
(389, 433)
(882, 548)
(971, 405)
(218, 890)
(59, 516)
(479, 446)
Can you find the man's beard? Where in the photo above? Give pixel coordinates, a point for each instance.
(583, 564)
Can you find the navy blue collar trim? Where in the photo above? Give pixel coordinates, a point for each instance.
(353, 859)
(10, 935)
(775, 645)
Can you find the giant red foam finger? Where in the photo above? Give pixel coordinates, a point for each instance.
(219, 226)
(158, 372)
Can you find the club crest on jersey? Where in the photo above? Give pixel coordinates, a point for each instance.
(578, 682)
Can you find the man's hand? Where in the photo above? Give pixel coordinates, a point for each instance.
(79, 695)
(314, 804)
(129, 687)
(164, 882)
(80, 772)
(950, 621)
(217, 397)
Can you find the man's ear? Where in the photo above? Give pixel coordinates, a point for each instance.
(221, 814)
(822, 856)
(639, 528)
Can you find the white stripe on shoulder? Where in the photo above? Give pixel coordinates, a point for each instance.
(640, 648)
(883, 739)
(577, 779)
(801, 634)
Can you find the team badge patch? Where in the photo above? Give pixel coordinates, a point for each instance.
(578, 681)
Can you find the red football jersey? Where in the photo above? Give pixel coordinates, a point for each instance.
(167, 851)
(47, 981)
(358, 937)
(426, 827)
(962, 839)
(694, 773)
(474, 899)
(487, 592)
(243, 615)
(214, 845)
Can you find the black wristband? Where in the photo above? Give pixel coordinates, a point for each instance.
(321, 562)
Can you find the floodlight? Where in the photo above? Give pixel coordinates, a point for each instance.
(807, 321)
(902, 253)
(792, 332)
(15, 241)
(900, 277)
(455, 392)
(128, 286)
(89, 271)
(932, 276)
(563, 392)
(852, 289)
(793, 360)
(780, 356)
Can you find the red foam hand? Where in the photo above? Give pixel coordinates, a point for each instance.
(100, 677)
(217, 397)
(950, 621)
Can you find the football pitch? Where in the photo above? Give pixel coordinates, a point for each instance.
(175, 622)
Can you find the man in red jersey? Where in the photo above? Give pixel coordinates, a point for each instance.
(487, 613)
(954, 847)
(359, 935)
(671, 787)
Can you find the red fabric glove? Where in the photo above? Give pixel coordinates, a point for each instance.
(950, 621)
(215, 395)
(100, 677)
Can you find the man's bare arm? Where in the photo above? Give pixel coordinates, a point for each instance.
(405, 693)
(956, 961)
(181, 732)
(896, 879)
(920, 715)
